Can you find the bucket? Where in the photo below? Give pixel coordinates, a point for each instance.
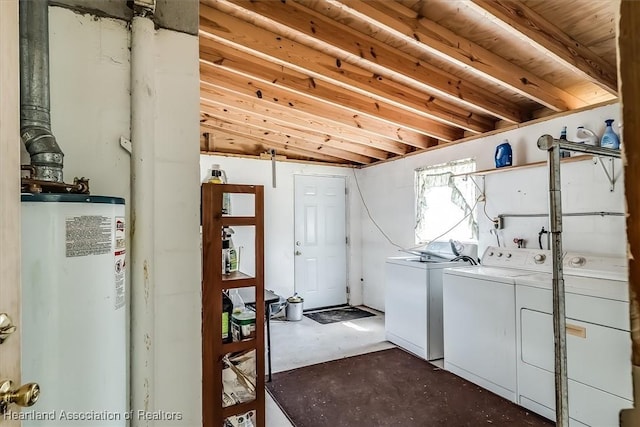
(294, 308)
(243, 325)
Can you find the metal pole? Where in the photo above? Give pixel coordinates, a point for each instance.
(559, 322)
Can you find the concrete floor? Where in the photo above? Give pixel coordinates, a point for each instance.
(306, 342)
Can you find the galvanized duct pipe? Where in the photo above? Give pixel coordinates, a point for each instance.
(35, 120)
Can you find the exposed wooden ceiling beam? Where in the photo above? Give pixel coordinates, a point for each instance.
(254, 121)
(306, 87)
(434, 39)
(227, 30)
(223, 143)
(283, 141)
(222, 97)
(326, 106)
(426, 111)
(520, 19)
(369, 126)
(309, 28)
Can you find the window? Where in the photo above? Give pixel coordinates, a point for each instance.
(445, 202)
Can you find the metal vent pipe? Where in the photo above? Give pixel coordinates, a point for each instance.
(35, 119)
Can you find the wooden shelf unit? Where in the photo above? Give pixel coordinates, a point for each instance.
(213, 283)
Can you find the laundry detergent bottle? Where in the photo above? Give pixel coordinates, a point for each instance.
(503, 154)
(609, 138)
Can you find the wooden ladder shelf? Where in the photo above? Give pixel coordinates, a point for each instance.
(214, 282)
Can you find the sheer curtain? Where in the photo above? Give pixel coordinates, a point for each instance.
(444, 196)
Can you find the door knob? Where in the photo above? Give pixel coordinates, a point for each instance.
(25, 395)
(6, 327)
(298, 253)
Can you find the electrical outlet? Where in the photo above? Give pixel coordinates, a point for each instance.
(498, 223)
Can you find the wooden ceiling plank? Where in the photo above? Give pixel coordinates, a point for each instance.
(229, 144)
(263, 122)
(340, 41)
(272, 93)
(391, 138)
(322, 112)
(327, 93)
(221, 97)
(227, 30)
(282, 149)
(285, 140)
(434, 39)
(234, 115)
(234, 144)
(428, 109)
(517, 17)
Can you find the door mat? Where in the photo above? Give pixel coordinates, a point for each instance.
(338, 315)
(390, 388)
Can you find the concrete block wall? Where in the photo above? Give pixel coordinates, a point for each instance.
(388, 190)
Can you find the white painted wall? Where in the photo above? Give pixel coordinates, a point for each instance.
(177, 347)
(90, 101)
(279, 219)
(388, 190)
(90, 106)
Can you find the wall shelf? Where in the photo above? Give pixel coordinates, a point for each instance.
(571, 159)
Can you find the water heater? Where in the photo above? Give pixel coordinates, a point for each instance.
(74, 340)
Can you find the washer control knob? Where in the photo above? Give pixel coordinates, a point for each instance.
(577, 261)
(499, 254)
(490, 253)
(539, 258)
(508, 255)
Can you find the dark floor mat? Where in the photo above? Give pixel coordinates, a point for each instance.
(338, 315)
(390, 388)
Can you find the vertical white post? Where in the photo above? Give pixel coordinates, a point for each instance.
(142, 216)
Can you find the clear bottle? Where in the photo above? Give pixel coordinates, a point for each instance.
(609, 138)
(238, 302)
(215, 175)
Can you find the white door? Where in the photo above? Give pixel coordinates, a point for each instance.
(320, 245)
(10, 195)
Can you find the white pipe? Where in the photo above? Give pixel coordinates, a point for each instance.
(142, 217)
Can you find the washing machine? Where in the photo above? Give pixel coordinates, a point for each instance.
(479, 317)
(413, 298)
(598, 340)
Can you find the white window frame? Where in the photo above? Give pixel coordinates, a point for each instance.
(463, 194)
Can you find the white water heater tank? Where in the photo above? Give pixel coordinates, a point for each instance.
(74, 340)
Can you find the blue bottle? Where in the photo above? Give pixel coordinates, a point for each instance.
(609, 138)
(503, 154)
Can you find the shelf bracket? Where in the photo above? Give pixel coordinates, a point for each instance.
(610, 175)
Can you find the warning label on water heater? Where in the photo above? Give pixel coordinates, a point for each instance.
(88, 235)
(120, 263)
